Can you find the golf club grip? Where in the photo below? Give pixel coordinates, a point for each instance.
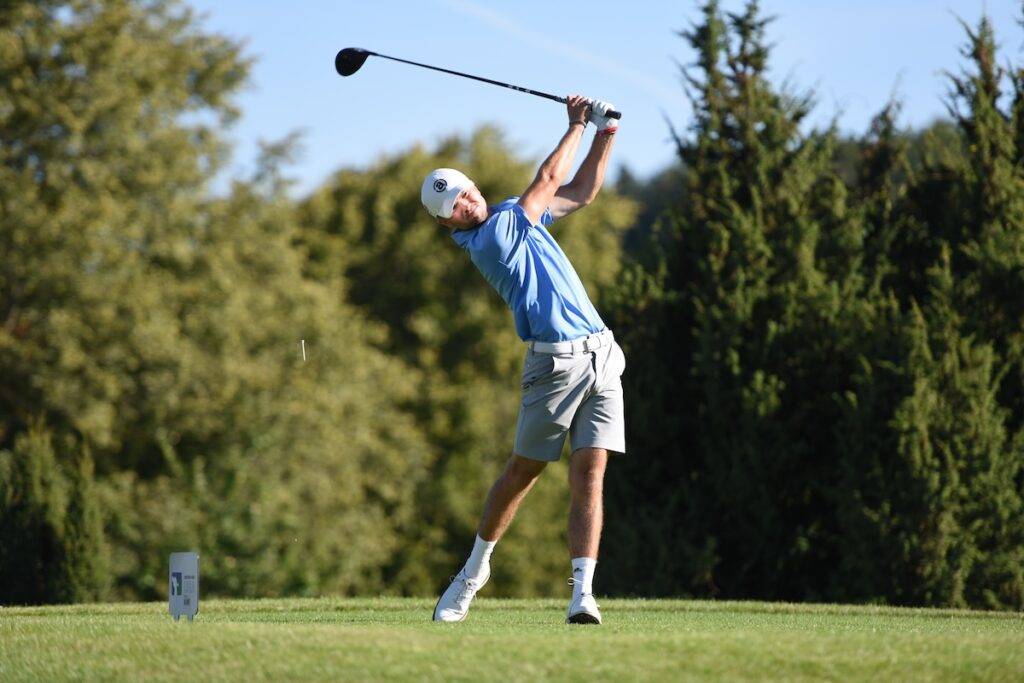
(612, 114)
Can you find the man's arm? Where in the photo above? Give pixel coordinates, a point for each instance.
(539, 195)
(588, 179)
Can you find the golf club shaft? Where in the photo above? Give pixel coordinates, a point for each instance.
(556, 98)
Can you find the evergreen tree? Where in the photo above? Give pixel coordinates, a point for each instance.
(51, 533)
(840, 426)
(988, 188)
(880, 189)
(928, 507)
(762, 201)
(84, 543)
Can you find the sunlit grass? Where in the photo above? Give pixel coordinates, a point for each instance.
(392, 638)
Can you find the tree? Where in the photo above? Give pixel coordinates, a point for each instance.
(158, 327)
(99, 182)
(745, 298)
(51, 529)
(928, 505)
(825, 393)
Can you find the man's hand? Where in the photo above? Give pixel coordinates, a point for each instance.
(598, 109)
(578, 107)
(590, 176)
(554, 169)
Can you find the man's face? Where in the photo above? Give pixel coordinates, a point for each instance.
(470, 210)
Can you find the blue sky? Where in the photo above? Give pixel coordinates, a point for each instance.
(854, 54)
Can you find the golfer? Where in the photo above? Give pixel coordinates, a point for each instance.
(571, 373)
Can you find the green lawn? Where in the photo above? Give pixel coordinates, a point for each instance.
(391, 638)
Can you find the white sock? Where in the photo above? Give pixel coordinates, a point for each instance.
(583, 575)
(479, 558)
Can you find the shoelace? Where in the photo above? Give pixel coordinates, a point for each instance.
(469, 589)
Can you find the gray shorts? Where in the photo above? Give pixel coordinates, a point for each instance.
(576, 393)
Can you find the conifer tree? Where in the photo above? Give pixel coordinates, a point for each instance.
(765, 258)
(988, 247)
(929, 511)
(815, 353)
(51, 530)
(880, 190)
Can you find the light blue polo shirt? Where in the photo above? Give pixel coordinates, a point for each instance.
(530, 271)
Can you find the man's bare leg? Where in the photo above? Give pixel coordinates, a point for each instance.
(506, 494)
(586, 511)
(500, 508)
(502, 502)
(586, 514)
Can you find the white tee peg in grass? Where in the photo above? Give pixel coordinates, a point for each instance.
(184, 585)
(303, 344)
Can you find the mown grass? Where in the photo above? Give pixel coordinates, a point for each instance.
(393, 639)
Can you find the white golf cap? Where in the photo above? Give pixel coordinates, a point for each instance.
(441, 188)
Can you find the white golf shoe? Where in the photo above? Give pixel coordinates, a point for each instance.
(453, 605)
(583, 610)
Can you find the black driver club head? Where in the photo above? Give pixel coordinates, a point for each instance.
(348, 61)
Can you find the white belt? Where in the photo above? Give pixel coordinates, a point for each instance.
(581, 345)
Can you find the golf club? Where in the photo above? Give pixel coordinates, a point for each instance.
(348, 61)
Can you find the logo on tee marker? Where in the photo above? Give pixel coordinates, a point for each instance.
(440, 185)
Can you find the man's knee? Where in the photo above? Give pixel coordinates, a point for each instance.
(523, 470)
(586, 471)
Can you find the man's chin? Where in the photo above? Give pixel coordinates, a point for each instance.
(469, 226)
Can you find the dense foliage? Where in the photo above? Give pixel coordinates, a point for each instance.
(826, 373)
(825, 341)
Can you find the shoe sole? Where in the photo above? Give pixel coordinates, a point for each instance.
(583, 618)
(464, 615)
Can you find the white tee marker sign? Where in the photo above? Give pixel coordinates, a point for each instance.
(184, 585)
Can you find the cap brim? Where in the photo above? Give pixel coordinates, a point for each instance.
(448, 203)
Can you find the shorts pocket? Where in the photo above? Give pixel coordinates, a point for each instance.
(567, 364)
(556, 370)
(536, 368)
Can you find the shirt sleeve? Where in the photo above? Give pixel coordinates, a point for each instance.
(546, 218)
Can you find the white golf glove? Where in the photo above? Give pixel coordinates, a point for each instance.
(598, 109)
